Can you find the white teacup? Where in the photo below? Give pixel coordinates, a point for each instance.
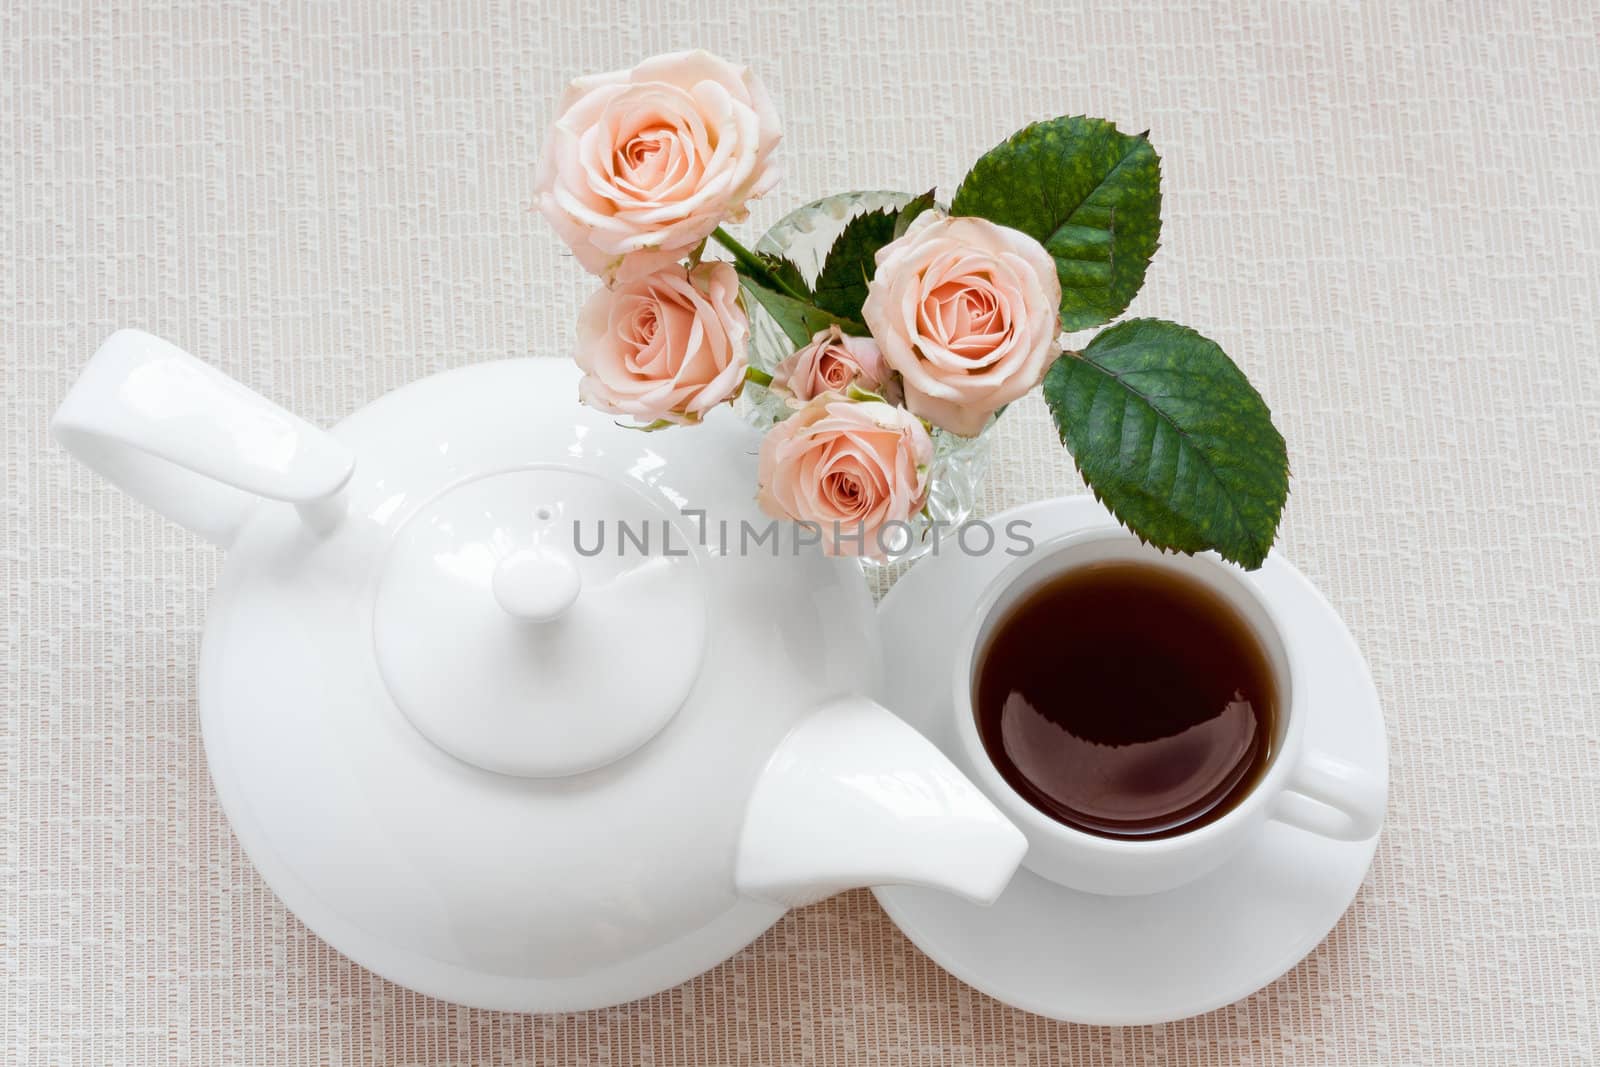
(1302, 787)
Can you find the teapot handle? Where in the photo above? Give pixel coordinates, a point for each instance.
(192, 443)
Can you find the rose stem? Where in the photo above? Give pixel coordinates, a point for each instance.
(752, 265)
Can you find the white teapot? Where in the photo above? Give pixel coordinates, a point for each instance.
(481, 756)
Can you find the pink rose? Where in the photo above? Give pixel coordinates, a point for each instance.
(830, 364)
(850, 468)
(641, 165)
(966, 311)
(670, 345)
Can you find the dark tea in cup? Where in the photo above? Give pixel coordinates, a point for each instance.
(1126, 701)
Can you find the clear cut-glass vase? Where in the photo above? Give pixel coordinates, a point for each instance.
(804, 237)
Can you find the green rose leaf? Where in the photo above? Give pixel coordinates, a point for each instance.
(1087, 192)
(1173, 439)
(785, 272)
(842, 286)
(798, 319)
(914, 207)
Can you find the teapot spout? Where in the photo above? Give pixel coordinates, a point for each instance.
(855, 797)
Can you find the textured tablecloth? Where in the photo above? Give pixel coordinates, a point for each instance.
(1389, 214)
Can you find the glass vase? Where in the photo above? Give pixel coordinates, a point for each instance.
(804, 237)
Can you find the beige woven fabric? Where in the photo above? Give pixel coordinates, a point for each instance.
(1390, 214)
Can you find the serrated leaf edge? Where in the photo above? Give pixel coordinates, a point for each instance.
(1251, 562)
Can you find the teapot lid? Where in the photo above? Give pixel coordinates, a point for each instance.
(531, 621)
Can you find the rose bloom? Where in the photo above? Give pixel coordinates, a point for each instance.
(848, 467)
(830, 364)
(966, 311)
(641, 165)
(670, 345)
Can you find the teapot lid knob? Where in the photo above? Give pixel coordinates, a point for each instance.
(536, 584)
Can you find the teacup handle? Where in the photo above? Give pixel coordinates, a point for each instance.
(1332, 798)
(194, 444)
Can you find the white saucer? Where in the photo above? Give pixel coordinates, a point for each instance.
(1129, 961)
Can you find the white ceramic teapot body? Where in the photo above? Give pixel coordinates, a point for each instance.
(485, 762)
